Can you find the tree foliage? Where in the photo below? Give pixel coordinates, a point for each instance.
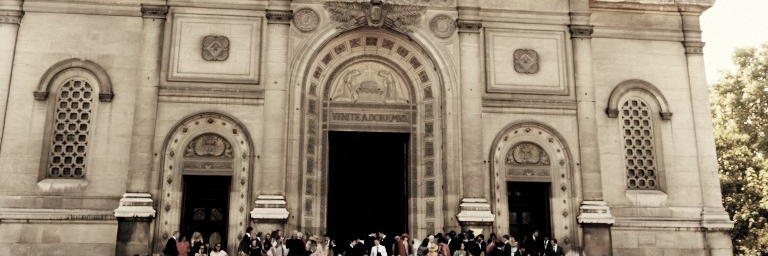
(740, 113)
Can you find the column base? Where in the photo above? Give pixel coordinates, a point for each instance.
(133, 236)
(596, 220)
(135, 205)
(475, 214)
(270, 213)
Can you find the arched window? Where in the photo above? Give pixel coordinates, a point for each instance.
(71, 124)
(77, 87)
(639, 152)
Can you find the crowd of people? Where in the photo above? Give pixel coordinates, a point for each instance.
(372, 244)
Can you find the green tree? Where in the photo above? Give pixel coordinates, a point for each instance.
(740, 113)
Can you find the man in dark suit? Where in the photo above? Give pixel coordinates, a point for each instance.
(507, 246)
(170, 245)
(295, 245)
(534, 244)
(555, 249)
(473, 246)
(388, 242)
(454, 242)
(245, 243)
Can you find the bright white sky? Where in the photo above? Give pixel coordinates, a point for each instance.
(728, 25)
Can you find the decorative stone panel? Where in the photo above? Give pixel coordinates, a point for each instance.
(538, 57)
(237, 40)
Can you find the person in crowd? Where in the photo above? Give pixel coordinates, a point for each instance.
(513, 244)
(432, 247)
(534, 244)
(461, 251)
(423, 249)
(336, 249)
(497, 247)
(377, 249)
(183, 246)
(545, 245)
(197, 242)
(481, 240)
(200, 251)
(353, 249)
(245, 243)
(472, 245)
(403, 246)
(388, 242)
(170, 245)
(278, 246)
(311, 246)
(555, 249)
(522, 252)
(442, 242)
(255, 249)
(454, 241)
(294, 245)
(217, 251)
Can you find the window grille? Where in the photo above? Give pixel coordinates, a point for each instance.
(639, 145)
(71, 123)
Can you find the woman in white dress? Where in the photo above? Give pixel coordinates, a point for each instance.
(217, 251)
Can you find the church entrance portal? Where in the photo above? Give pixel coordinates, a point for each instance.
(529, 208)
(367, 187)
(206, 207)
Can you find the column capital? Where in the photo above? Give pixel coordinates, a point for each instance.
(154, 11)
(11, 17)
(582, 31)
(694, 47)
(279, 16)
(469, 26)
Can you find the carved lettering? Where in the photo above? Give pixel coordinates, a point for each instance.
(365, 117)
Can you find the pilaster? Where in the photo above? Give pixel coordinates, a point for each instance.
(474, 209)
(715, 220)
(594, 214)
(136, 211)
(10, 19)
(270, 206)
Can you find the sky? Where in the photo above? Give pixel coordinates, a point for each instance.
(728, 25)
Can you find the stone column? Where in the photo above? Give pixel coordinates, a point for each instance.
(715, 220)
(474, 209)
(270, 206)
(594, 215)
(135, 211)
(9, 29)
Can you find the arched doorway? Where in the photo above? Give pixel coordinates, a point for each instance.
(380, 83)
(214, 151)
(533, 182)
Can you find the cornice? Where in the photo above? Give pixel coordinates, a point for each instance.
(11, 17)
(582, 31)
(653, 5)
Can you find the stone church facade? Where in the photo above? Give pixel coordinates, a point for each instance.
(125, 121)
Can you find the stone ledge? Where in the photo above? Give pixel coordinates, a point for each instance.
(647, 198)
(26, 214)
(62, 185)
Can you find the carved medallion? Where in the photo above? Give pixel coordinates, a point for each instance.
(306, 20)
(215, 48)
(527, 153)
(209, 145)
(526, 61)
(375, 14)
(442, 26)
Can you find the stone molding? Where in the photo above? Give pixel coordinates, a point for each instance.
(469, 26)
(595, 212)
(582, 31)
(694, 47)
(154, 11)
(26, 215)
(270, 208)
(716, 219)
(475, 210)
(135, 205)
(637, 85)
(103, 81)
(11, 17)
(279, 17)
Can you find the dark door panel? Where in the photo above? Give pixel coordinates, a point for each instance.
(206, 206)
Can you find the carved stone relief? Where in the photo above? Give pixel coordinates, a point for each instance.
(215, 48)
(527, 153)
(208, 145)
(375, 14)
(369, 83)
(526, 61)
(306, 20)
(442, 26)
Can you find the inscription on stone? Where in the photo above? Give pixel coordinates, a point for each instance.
(370, 117)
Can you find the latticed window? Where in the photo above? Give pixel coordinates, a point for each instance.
(639, 145)
(71, 123)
